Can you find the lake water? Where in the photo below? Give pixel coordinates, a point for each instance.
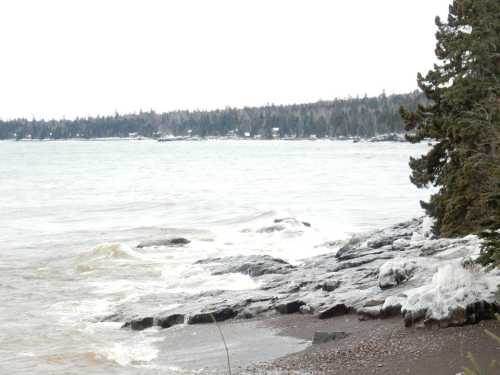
(72, 213)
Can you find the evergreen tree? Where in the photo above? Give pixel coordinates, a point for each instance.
(464, 118)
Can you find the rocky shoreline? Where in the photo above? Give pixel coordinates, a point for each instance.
(398, 271)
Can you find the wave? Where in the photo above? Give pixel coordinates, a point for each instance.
(126, 354)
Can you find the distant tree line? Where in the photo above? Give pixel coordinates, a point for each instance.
(353, 117)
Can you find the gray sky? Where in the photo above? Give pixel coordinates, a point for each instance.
(67, 58)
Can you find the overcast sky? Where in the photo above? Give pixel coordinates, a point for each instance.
(67, 58)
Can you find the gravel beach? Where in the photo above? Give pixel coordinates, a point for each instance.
(380, 347)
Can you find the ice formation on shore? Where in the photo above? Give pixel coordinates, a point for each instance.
(399, 270)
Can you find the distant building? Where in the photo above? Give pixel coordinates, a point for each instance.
(247, 134)
(276, 133)
(132, 135)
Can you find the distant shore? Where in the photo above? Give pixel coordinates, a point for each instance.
(391, 137)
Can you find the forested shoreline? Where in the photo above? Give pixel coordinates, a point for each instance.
(354, 117)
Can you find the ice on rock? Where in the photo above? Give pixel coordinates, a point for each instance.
(452, 287)
(395, 272)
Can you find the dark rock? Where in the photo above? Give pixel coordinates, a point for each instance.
(412, 317)
(179, 241)
(140, 324)
(321, 337)
(290, 307)
(271, 229)
(252, 265)
(478, 311)
(335, 310)
(170, 320)
(374, 302)
(328, 286)
(291, 220)
(208, 317)
(390, 311)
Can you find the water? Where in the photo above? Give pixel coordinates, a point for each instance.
(71, 214)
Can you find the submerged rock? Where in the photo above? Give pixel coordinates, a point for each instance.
(140, 324)
(292, 221)
(321, 337)
(178, 241)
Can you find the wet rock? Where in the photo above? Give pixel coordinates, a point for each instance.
(328, 286)
(252, 265)
(271, 229)
(412, 317)
(333, 311)
(170, 320)
(457, 318)
(374, 302)
(178, 241)
(139, 324)
(480, 310)
(208, 317)
(321, 337)
(293, 221)
(290, 307)
(254, 310)
(371, 312)
(390, 311)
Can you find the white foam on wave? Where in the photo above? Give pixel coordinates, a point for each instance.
(112, 250)
(80, 310)
(131, 353)
(194, 279)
